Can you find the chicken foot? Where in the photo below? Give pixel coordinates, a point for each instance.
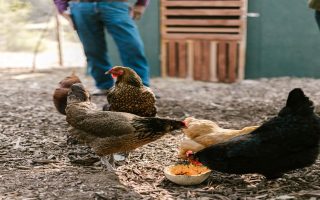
(108, 161)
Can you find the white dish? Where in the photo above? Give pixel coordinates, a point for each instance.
(185, 179)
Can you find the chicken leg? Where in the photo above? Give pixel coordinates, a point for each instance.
(108, 162)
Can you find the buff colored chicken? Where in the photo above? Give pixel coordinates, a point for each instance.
(204, 133)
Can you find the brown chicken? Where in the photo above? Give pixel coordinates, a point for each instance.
(204, 133)
(60, 94)
(108, 132)
(129, 94)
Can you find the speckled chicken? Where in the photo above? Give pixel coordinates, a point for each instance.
(286, 142)
(60, 94)
(109, 132)
(129, 94)
(203, 133)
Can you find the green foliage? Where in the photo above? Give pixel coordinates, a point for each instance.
(16, 5)
(13, 35)
(40, 10)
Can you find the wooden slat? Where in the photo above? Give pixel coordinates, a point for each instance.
(203, 22)
(232, 56)
(190, 55)
(213, 62)
(202, 30)
(164, 59)
(164, 43)
(181, 36)
(172, 58)
(222, 46)
(206, 60)
(242, 60)
(242, 45)
(203, 12)
(202, 3)
(182, 68)
(197, 60)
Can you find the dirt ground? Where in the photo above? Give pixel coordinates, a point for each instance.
(35, 158)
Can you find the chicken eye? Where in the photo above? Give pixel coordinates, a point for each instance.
(120, 72)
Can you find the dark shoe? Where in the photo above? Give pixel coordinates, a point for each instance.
(100, 92)
(106, 107)
(71, 140)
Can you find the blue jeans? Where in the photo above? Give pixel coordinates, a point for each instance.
(317, 14)
(90, 20)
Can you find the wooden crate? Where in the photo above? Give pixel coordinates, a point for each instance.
(203, 39)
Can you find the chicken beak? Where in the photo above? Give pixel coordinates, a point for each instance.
(113, 75)
(108, 72)
(185, 123)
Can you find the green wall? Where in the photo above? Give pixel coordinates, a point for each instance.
(150, 33)
(283, 41)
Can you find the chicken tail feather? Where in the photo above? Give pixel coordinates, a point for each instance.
(299, 103)
(156, 126)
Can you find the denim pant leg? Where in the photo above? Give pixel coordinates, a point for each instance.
(317, 14)
(91, 33)
(115, 16)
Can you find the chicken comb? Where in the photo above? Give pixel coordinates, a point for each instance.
(191, 159)
(188, 120)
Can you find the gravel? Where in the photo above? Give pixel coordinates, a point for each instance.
(37, 163)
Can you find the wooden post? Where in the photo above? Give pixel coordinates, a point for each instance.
(190, 44)
(213, 61)
(163, 53)
(243, 42)
(58, 37)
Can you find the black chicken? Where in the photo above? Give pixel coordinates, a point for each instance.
(286, 142)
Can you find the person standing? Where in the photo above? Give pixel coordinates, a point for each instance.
(315, 4)
(91, 18)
